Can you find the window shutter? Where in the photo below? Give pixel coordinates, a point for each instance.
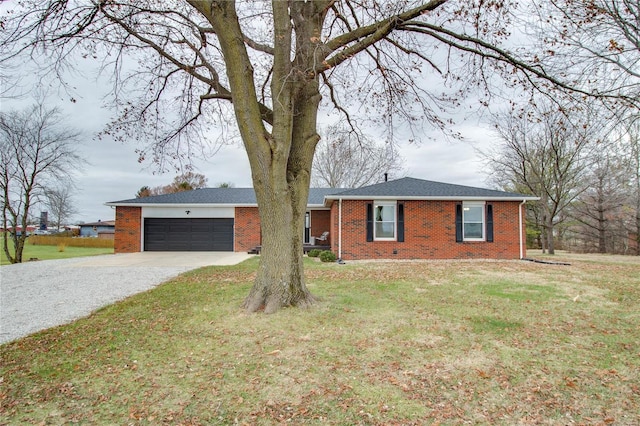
(489, 223)
(369, 222)
(401, 222)
(458, 223)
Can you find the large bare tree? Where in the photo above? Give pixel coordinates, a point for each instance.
(36, 151)
(631, 142)
(269, 65)
(598, 213)
(546, 152)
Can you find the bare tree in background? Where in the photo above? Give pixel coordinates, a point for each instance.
(269, 65)
(59, 201)
(543, 153)
(185, 182)
(598, 212)
(632, 143)
(144, 191)
(346, 159)
(36, 150)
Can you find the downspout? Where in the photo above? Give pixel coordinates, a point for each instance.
(339, 228)
(520, 228)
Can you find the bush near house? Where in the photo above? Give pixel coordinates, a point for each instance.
(54, 240)
(327, 256)
(314, 253)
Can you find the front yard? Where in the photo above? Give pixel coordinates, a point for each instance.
(450, 342)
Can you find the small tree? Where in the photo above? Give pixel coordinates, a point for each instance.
(35, 150)
(345, 159)
(59, 201)
(144, 191)
(633, 164)
(598, 212)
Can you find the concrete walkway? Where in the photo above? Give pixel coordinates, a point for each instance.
(39, 295)
(179, 259)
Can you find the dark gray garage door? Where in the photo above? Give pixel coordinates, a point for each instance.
(188, 234)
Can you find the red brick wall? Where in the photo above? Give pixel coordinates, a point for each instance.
(128, 229)
(247, 229)
(430, 233)
(321, 222)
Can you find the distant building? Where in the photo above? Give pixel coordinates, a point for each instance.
(95, 228)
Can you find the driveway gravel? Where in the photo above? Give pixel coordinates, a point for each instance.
(43, 294)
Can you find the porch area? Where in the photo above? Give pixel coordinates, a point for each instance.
(305, 248)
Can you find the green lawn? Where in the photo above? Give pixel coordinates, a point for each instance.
(42, 252)
(442, 342)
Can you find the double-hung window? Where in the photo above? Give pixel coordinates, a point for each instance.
(384, 216)
(473, 221)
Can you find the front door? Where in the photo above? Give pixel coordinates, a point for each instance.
(307, 227)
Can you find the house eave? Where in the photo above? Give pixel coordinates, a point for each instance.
(178, 205)
(331, 198)
(203, 205)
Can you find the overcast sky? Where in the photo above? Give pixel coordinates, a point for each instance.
(113, 173)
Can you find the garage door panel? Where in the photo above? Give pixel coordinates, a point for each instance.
(171, 234)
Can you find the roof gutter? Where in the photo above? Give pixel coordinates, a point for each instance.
(520, 228)
(339, 229)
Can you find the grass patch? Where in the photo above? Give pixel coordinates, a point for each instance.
(485, 324)
(387, 343)
(48, 252)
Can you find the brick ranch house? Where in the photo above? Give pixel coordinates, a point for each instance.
(402, 219)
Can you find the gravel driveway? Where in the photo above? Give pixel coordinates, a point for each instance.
(39, 295)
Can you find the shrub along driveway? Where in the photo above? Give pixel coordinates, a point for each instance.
(39, 295)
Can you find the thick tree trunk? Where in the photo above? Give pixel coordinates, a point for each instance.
(280, 278)
(282, 191)
(550, 241)
(544, 233)
(280, 157)
(602, 241)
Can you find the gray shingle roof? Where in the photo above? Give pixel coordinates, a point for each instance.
(226, 196)
(198, 196)
(405, 188)
(418, 188)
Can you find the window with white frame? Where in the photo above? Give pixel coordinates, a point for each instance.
(384, 216)
(473, 221)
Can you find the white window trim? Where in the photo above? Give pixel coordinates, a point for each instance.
(484, 220)
(394, 204)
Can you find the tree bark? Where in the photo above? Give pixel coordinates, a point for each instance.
(602, 224)
(281, 159)
(550, 241)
